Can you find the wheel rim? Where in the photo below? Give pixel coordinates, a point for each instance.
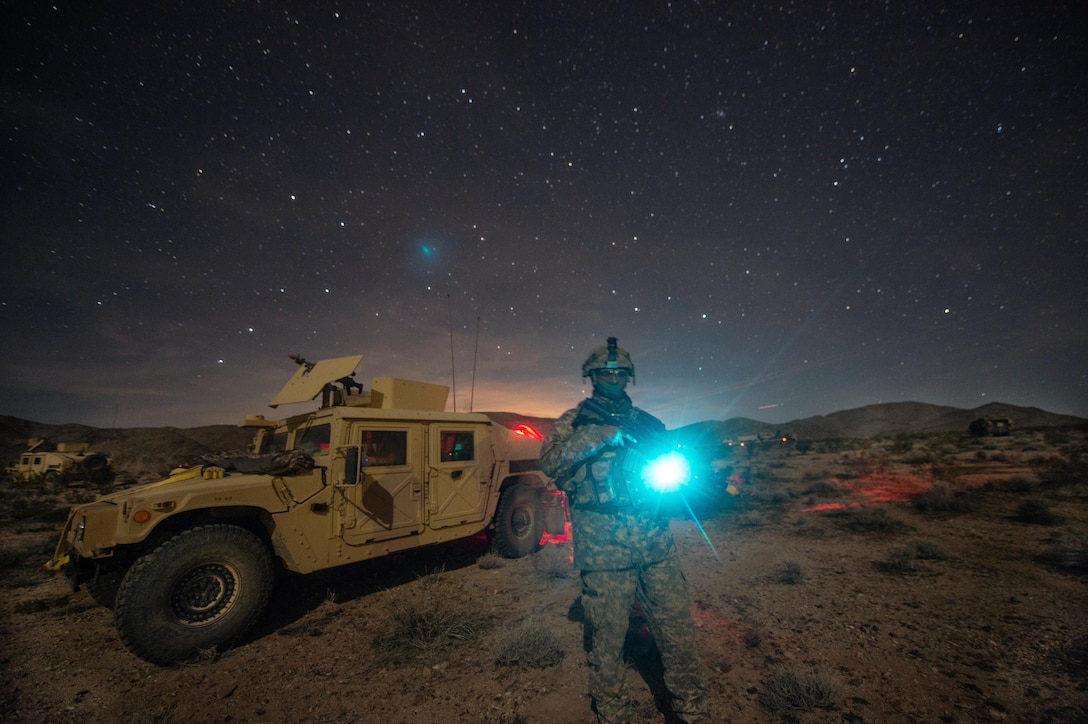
(204, 594)
(521, 521)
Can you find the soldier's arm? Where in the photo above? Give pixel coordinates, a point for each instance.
(566, 445)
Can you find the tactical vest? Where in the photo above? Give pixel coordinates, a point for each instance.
(611, 480)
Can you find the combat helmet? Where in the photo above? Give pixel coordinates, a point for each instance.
(610, 357)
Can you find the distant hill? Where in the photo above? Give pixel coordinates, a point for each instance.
(896, 418)
(148, 453)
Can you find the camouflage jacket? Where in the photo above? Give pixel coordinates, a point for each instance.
(610, 532)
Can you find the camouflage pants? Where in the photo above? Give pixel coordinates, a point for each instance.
(661, 592)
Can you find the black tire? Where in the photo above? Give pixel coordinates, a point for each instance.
(519, 522)
(197, 591)
(103, 586)
(52, 482)
(95, 467)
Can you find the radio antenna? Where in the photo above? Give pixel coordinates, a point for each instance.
(453, 369)
(475, 355)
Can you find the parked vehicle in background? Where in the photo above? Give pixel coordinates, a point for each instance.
(60, 464)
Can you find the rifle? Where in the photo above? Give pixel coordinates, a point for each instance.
(639, 428)
(649, 455)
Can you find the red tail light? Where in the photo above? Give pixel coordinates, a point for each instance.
(528, 431)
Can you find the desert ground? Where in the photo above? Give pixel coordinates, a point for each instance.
(921, 578)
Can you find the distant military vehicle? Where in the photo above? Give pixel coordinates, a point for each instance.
(991, 427)
(59, 464)
(187, 563)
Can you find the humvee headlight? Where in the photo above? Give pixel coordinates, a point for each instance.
(667, 473)
(80, 527)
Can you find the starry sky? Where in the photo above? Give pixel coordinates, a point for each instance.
(781, 209)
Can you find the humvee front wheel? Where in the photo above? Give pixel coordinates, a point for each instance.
(103, 586)
(197, 591)
(519, 522)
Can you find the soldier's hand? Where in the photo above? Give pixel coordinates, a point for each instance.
(610, 435)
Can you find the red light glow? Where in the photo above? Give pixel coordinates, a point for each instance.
(879, 488)
(528, 431)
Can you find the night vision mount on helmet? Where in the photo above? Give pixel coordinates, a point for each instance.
(610, 357)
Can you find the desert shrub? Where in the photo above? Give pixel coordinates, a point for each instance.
(1067, 550)
(901, 445)
(789, 574)
(21, 562)
(898, 562)
(1035, 511)
(530, 644)
(747, 520)
(942, 499)
(1076, 654)
(926, 550)
(554, 561)
(424, 630)
(1056, 436)
(903, 561)
(490, 561)
(866, 463)
(944, 470)
(868, 519)
(822, 487)
(37, 605)
(788, 690)
(752, 638)
(1063, 471)
(1015, 484)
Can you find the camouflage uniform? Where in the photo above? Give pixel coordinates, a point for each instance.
(625, 552)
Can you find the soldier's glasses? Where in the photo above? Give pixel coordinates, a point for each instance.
(612, 375)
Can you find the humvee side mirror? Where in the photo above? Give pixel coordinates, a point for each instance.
(351, 466)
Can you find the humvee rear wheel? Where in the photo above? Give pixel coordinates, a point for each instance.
(197, 591)
(519, 522)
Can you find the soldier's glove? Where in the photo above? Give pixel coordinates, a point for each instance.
(610, 436)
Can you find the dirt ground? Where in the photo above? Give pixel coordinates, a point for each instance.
(827, 569)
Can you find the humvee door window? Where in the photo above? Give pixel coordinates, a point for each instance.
(383, 447)
(313, 440)
(458, 446)
(274, 443)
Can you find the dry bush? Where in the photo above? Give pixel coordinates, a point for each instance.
(424, 630)
(1067, 550)
(788, 690)
(904, 561)
(789, 574)
(554, 561)
(21, 563)
(899, 562)
(1060, 471)
(1035, 511)
(927, 550)
(531, 644)
(490, 561)
(868, 519)
(942, 499)
(822, 487)
(1015, 484)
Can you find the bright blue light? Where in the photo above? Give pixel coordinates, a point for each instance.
(667, 473)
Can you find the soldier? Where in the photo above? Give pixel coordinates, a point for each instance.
(622, 543)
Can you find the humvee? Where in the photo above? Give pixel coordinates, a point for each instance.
(187, 563)
(59, 464)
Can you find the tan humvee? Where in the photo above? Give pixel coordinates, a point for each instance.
(187, 563)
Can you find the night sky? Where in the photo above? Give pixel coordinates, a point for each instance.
(781, 209)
